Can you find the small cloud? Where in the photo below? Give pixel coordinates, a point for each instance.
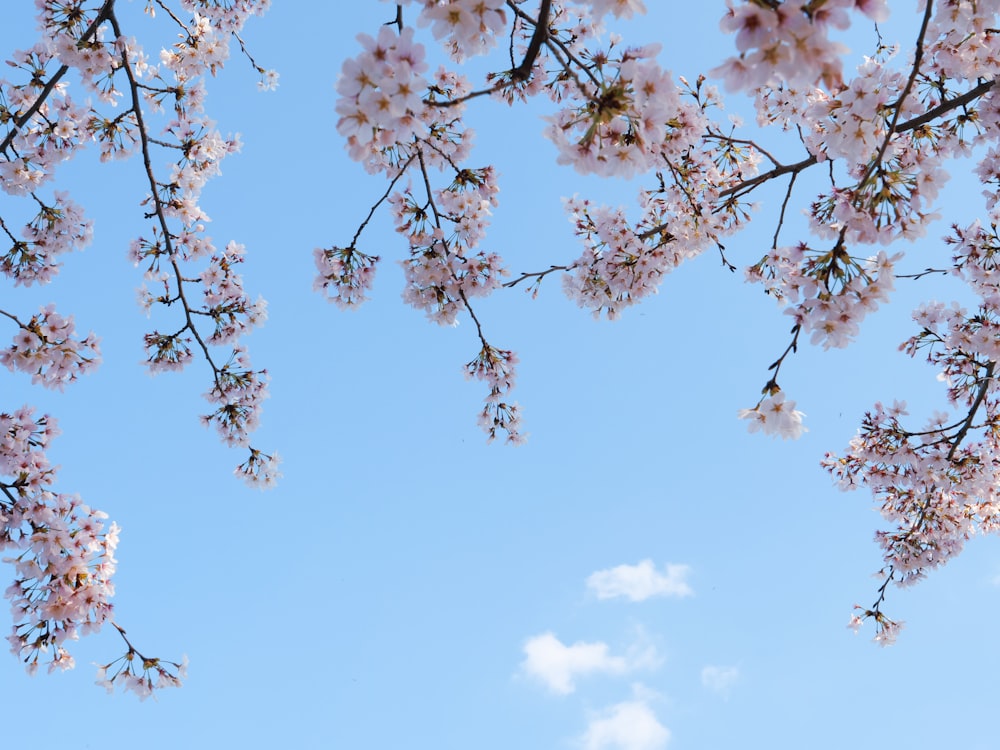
(631, 725)
(640, 582)
(719, 679)
(642, 653)
(557, 665)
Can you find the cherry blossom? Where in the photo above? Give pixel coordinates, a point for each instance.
(775, 416)
(45, 348)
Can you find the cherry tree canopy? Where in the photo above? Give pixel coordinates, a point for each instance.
(844, 164)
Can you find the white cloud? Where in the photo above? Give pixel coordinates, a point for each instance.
(639, 582)
(626, 726)
(719, 679)
(557, 665)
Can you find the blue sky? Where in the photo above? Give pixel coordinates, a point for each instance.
(407, 585)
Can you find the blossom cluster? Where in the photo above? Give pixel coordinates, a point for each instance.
(396, 120)
(464, 28)
(496, 368)
(135, 673)
(627, 118)
(214, 292)
(226, 303)
(380, 92)
(788, 43)
(345, 275)
(45, 348)
(61, 550)
(829, 293)
(443, 273)
(54, 230)
(63, 561)
(237, 394)
(775, 416)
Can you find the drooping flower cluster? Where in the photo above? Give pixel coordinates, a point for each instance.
(443, 273)
(177, 239)
(238, 393)
(496, 368)
(828, 294)
(55, 229)
(395, 121)
(140, 674)
(226, 303)
(775, 416)
(345, 275)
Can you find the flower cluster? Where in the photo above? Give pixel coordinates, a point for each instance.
(36, 133)
(238, 394)
(63, 563)
(618, 268)
(788, 43)
(345, 275)
(381, 93)
(775, 416)
(226, 303)
(140, 674)
(829, 294)
(61, 550)
(54, 230)
(627, 118)
(496, 368)
(618, 8)
(443, 273)
(260, 470)
(464, 28)
(45, 348)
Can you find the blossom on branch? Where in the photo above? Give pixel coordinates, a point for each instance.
(775, 416)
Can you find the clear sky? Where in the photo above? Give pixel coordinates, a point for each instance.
(409, 586)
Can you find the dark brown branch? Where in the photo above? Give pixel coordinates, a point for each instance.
(768, 175)
(946, 106)
(772, 385)
(984, 386)
(784, 207)
(918, 56)
(523, 71)
(537, 275)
